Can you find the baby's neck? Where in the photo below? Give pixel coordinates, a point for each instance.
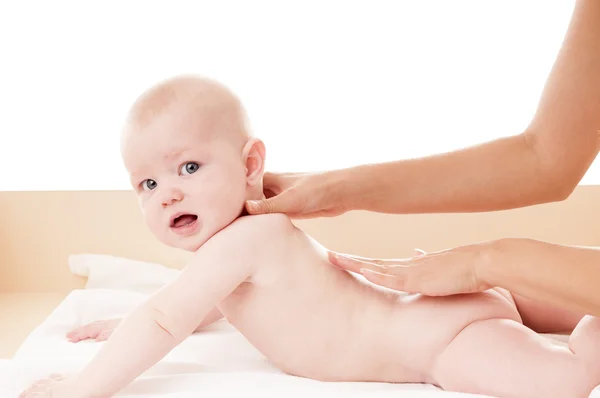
(259, 195)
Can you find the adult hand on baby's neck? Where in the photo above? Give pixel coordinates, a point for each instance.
(255, 193)
(304, 195)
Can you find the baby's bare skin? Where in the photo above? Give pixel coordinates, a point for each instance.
(103, 329)
(193, 165)
(313, 320)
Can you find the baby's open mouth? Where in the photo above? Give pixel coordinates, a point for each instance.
(183, 220)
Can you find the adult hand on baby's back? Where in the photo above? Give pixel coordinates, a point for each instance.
(300, 195)
(442, 273)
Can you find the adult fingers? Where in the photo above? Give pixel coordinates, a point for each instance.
(385, 261)
(269, 193)
(291, 202)
(418, 279)
(419, 252)
(399, 278)
(354, 264)
(275, 204)
(273, 183)
(370, 260)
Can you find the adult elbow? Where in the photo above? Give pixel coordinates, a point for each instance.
(559, 166)
(559, 188)
(563, 191)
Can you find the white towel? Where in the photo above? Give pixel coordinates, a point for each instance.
(111, 272)
(216, 362)
(219, 361)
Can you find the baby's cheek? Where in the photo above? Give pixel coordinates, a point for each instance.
(225, 197)
(154, 224)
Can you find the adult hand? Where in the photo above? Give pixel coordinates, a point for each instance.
(442, 273)
(300, 195)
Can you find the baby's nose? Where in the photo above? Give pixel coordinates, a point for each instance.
(172, 196)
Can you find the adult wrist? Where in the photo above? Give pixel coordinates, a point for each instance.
(354, 187)
(343, 189)
(502, 260)
(487, 269)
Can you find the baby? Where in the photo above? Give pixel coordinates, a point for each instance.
(193, 164)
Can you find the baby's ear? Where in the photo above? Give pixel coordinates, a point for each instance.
(254, 160)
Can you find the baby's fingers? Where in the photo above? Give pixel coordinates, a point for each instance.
(90, 331)
(76, 335)
(104, 335)
(38, 388)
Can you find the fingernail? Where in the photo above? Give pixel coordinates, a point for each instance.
(340, 257)
(253, 205)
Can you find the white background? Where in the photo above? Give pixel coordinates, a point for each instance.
(327, 84)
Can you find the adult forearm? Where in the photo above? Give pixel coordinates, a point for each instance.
(497, 175)
(541, 165)
(565, 276)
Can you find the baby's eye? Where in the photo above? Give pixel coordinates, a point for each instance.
(190, 168)
(149, 185)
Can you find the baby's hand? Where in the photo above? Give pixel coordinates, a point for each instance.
(99, 330)
(54, 386)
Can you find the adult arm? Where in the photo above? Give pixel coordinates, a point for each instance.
(561, 275)
(565, 276)
(542, 164)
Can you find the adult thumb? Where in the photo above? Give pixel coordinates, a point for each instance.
(264, 206)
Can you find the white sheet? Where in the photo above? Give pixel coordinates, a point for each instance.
(10, 375)
(216, 362)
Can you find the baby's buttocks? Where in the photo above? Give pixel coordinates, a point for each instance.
(422, 327)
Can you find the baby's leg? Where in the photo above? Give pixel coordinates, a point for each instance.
(503, 358)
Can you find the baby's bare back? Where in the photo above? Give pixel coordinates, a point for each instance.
(314, 320)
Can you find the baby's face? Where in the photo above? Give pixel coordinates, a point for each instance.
(190, 183)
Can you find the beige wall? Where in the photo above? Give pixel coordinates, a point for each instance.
(38, 230)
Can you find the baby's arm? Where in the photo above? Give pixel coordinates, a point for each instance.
(103, 329)
(210, 318)
(172, 314)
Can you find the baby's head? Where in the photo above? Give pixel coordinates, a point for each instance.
(191, 159)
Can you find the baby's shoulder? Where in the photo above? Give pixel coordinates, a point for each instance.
(264, 228)
(274, 221)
